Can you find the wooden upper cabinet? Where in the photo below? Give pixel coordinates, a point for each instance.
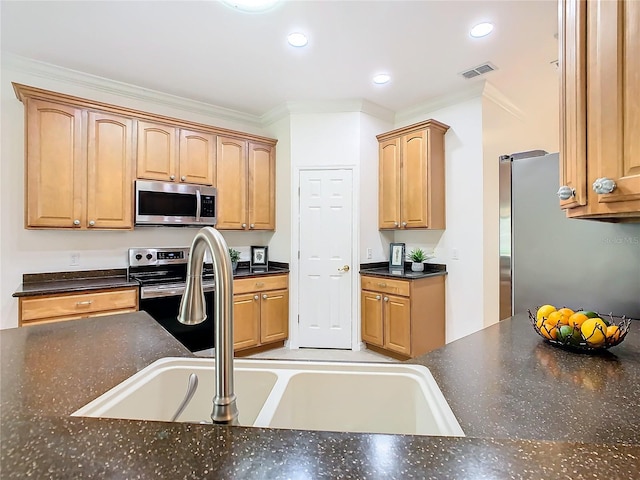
(411, 177)
(197, 157)
(600, 108)
(245, 176)
(157, 150)
(109, 171)
(79, 168)
(261, 187)
(231, 177)
(389, 184)
(55, 164)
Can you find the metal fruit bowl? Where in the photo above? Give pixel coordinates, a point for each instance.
(571, 342)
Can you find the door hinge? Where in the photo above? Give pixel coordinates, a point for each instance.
(298, 254)
(298, 319)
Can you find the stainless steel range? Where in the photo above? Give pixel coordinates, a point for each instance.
(162, 273)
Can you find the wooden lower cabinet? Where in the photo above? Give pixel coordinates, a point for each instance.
(73, 306)
(261, 312)
(404, 318)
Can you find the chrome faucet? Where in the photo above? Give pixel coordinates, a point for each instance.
(192, 312)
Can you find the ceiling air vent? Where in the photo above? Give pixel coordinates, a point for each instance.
(479, 70)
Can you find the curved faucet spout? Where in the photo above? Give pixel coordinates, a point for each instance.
(193, 311)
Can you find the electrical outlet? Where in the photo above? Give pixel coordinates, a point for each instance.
(75, 259)
(369, 253)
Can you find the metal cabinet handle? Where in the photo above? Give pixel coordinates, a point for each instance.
(604, 185)
(76, 222)
(172, 177)
(404, 224)
(395, 224)
(256, 297)
(386, 299)
(264, 295)
(244, 225)
(92, 223)
(259, 284)
(383, 285)
(344, 269)
(565, 192)
(183, 178)
(252, 225)
(378, 297)
(86, 302)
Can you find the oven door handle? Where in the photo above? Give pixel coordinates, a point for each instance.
(198, 205)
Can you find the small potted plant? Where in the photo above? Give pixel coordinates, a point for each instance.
(234, 255)
(417, 257)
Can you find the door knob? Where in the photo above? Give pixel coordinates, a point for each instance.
(344, 269)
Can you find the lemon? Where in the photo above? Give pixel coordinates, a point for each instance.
(594, 331)
(613, 333)
(544, 311)
(577, 319)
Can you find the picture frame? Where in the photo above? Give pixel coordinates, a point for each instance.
(396, 256)
(259, 257)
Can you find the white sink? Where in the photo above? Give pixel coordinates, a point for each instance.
(348, 397)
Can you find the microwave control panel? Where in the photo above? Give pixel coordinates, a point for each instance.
(208, 206)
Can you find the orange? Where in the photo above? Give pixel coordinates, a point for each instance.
(577, 319)
(594, 331)
(613, 333)
(558, 318)
(549, 330)
(566, 311)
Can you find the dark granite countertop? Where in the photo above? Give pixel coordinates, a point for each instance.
(381, 269)
(529, 411)
(82, 281)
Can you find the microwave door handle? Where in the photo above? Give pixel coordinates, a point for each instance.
(198, 205)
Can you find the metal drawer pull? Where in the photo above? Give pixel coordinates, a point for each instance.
(259, 284)
(256, 297)
(264, 296)
(386, 299)
(86, 302)
(383, 285)
(377, 297)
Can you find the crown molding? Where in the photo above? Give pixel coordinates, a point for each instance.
(114, 87)
(437, 103)
(496, 96)
(327, 106)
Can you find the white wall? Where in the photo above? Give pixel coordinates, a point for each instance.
(464, 217)
(34, 251)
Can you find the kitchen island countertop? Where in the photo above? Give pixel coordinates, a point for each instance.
(529, 411)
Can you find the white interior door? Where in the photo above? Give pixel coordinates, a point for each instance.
(325, 270)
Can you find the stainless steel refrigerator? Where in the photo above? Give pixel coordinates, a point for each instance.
(548, 258)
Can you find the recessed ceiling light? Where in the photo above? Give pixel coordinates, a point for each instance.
(381, 78)
(481, 30)
(250, 6)
(297, 39)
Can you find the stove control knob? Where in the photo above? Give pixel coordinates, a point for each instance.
(138, 257)
(149, 256)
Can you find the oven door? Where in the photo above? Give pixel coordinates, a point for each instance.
(165, 311)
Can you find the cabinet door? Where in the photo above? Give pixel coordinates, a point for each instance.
(246, 320)
(274, 316)
(614, 100)
(156, 151)
(197, 157)
(413, 203)
(573, 98)
(109, 171)
(55, 165)
(262, 187)
(397, 324)
(372, 329)
(231, 180)
(389, 184)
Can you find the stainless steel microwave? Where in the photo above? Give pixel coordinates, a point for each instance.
(174, 204)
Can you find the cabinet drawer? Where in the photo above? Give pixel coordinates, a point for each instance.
(386, 285)
(77, 305)
(259, 284)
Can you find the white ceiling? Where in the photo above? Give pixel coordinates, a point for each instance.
(206, 51)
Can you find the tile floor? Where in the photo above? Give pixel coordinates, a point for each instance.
(314, 354)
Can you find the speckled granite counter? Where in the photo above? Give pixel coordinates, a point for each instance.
(510, 392)
(381, 269)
